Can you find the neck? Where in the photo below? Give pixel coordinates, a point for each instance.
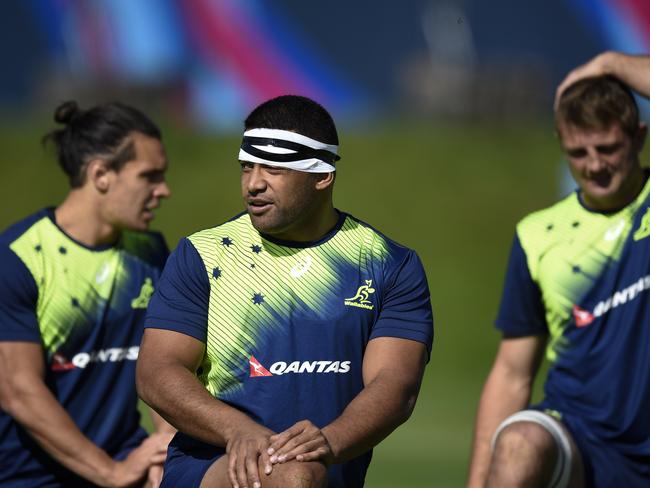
(314, 226)
(80, 217)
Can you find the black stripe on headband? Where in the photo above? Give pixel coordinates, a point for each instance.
(301, 151)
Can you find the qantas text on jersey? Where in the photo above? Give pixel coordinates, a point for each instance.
(112, 355)
(281, 367)
(623, 296)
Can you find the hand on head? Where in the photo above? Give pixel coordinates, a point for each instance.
(597, 66)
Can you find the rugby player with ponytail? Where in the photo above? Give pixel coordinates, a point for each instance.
(75, 281)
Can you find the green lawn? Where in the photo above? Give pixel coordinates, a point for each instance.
(454, 193)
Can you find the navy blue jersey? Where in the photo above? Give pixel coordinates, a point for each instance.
(286, 324)
(86, 307)
(583, 278)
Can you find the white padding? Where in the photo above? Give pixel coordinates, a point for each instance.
(562, 470)
(311, 165)
(287, 135)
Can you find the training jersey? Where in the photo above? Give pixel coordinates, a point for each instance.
(583, 278)
(86, 307)
(286, 324)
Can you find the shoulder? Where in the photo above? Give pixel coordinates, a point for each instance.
(15, 231)
(21, 244)
(19, 247)
(380, 244)
(225, 234)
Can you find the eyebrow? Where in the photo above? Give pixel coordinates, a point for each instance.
(153, 172)
(613, 145)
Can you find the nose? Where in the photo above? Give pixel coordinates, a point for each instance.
(255, 182)
(163, 190)
(595, 161)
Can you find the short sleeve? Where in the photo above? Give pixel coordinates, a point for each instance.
(406, 309)
(522, 311)
(18, 299)
(180, 302)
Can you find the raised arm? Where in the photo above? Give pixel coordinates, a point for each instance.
(506, 391)
(24, 396)
(634, 71)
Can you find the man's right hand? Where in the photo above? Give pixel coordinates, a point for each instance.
(245, 447)
(135, 467)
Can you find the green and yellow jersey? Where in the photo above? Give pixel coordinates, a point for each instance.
(86, 307)
(286, 324)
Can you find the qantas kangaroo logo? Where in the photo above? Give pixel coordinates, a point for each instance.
(257, 369)
(582, 317)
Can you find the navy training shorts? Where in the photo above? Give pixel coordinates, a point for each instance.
(605, 465)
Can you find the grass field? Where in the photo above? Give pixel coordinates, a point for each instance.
(454, 193)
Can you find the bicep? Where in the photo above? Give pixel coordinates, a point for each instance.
(21, 358)
(161, 347)
(401, 359)
(22, 367)
(18, 298)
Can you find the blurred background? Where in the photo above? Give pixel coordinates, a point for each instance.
(444, 110)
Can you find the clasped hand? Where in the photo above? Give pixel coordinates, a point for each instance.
(252, 448)
(303, 442)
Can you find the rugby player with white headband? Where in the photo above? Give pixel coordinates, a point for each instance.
(288, 342)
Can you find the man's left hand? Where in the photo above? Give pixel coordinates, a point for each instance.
(303, 442)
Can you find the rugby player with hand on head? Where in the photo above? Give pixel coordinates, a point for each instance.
(288, 342)
(75, 281)
(578, 288)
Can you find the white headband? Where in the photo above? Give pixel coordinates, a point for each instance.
(286, 149)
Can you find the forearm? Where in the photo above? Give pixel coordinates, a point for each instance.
(375, 412)
(634, 71)
(159, 423)
(178, 396)
(501, 397)
(34, 407)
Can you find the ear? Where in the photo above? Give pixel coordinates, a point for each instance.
(325, 180)
(98, 175)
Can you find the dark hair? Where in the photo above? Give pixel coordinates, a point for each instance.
(297, 114)
(99, 132)
(598, 103)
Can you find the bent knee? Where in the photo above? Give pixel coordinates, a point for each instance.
(524, 435)
(295, 474)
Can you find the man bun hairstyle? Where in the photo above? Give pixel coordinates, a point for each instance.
(598, 103)
(297, 114)
(100, 132)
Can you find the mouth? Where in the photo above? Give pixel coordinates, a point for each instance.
(148, 212)
(601, 179)
(257, 206)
